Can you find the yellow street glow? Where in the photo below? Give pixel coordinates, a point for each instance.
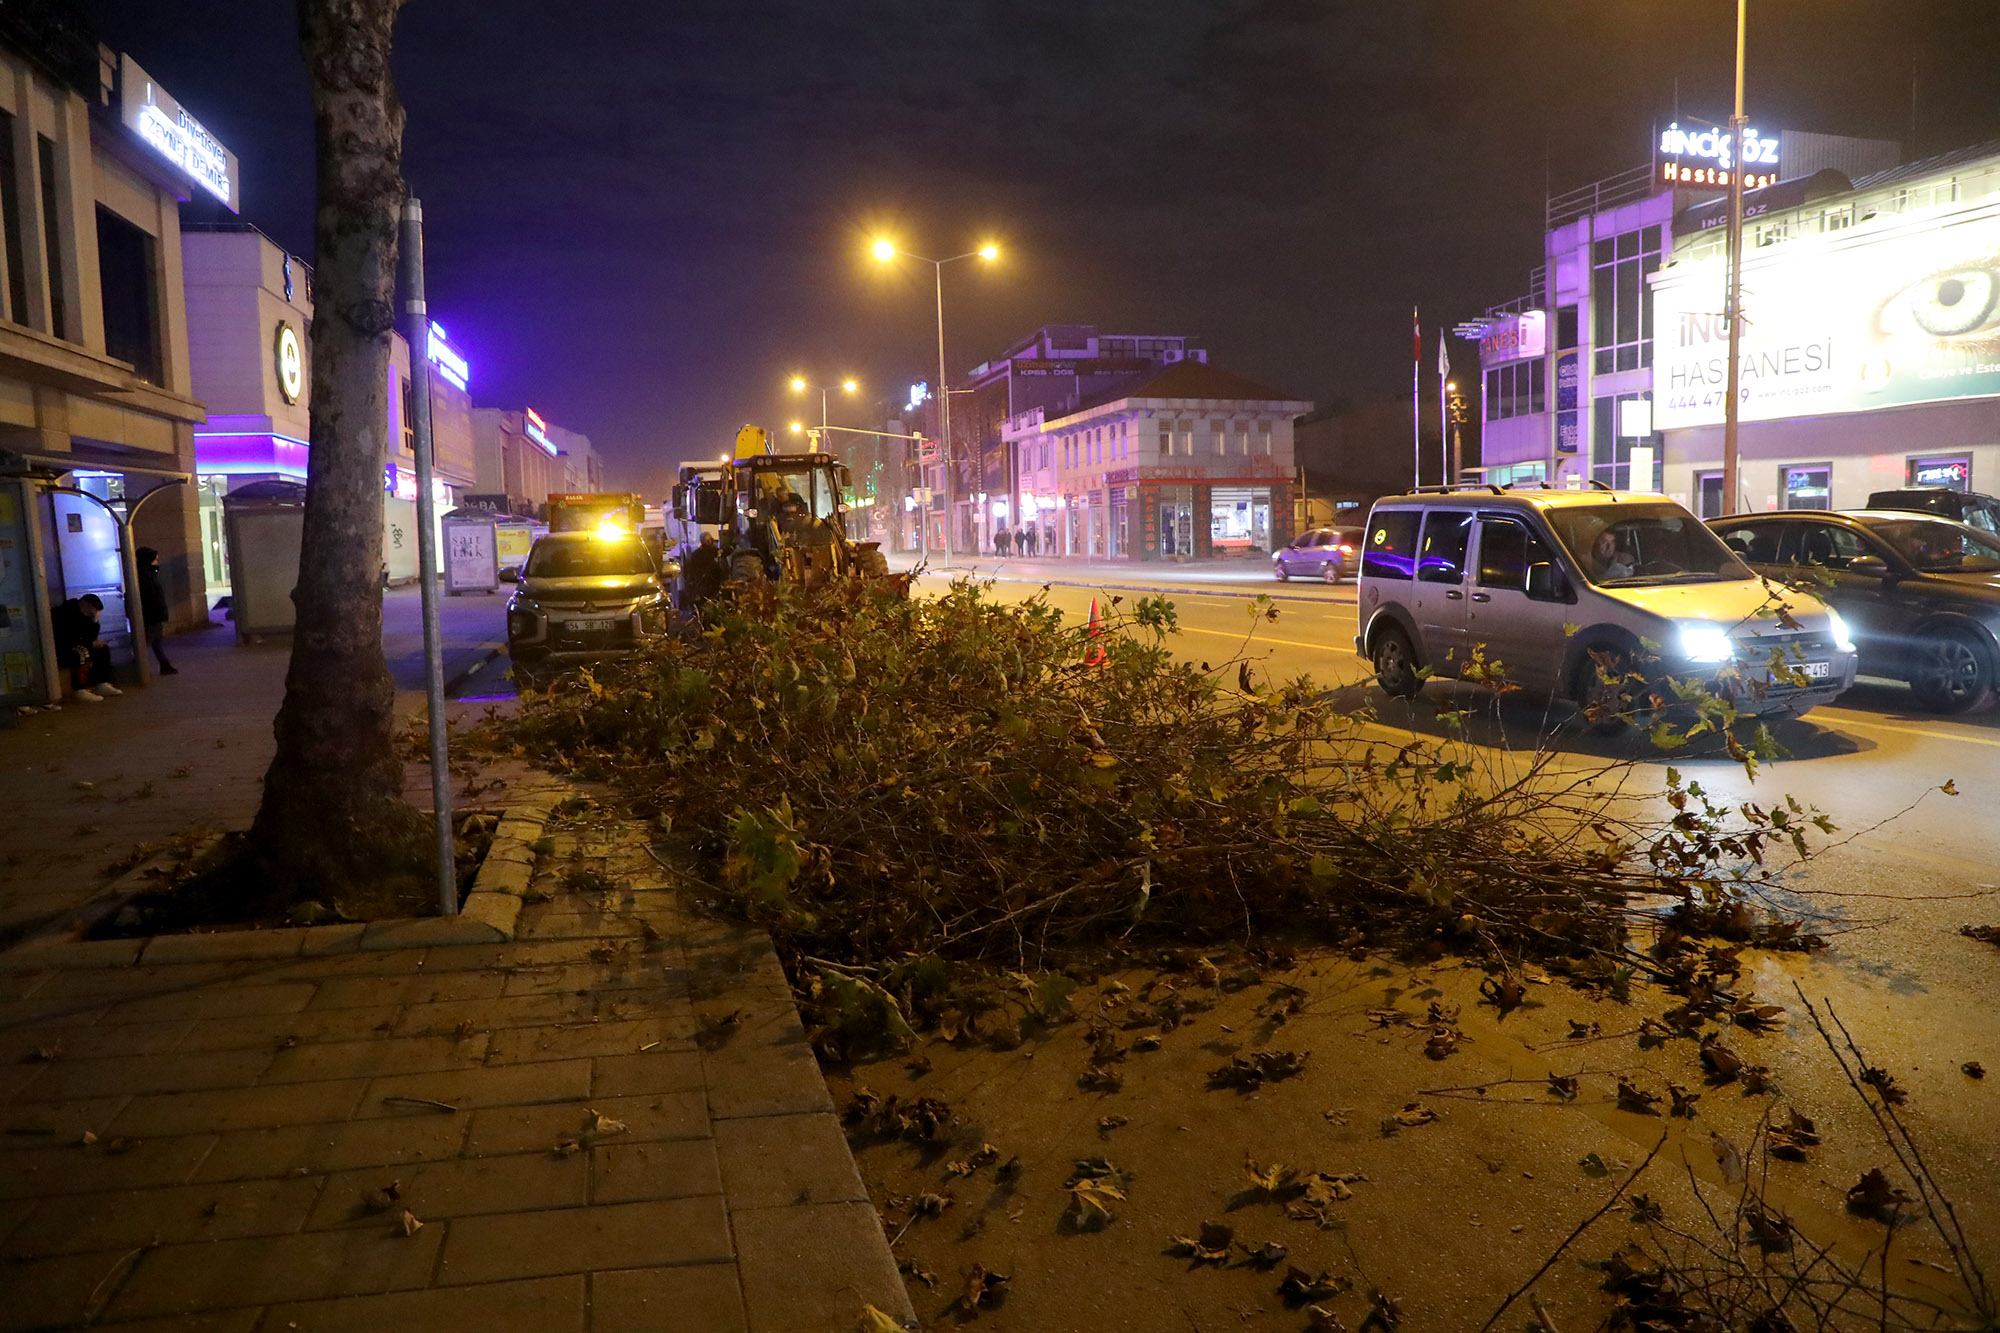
(989, 252)
(885, 250)
(798, 386)
(610, 531)
(797, 427)
(849, 385)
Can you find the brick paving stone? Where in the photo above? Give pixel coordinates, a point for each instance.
(178, 1279)
(225, 946)
(604, 1038)
(71, 1013)
(368, 1058)
(462, 1187)
(214, 1001)
(426, 988)
(11, 1213)
(324, 968)
(698, 1298)
(766, 1070)
(341, 938)
(588, 925)
(238, 1108)
(125, 982)
(51, 1124)
(80, 954)
(623, 1172)
(812, 1267)
(419, 1020)
(273, 1031)
(425, 931)
(92, 1043)
(467, 1089)
(654, 1071)
(15, 1079)
(261, 1153)
(672, 1115)
(514, 957)
(576, 1240)
(768, 1161)
(76, 1168)
(66, 1079)
(57, 1292)
(122, 1219)
(210, 1321)
(634, 969)
(544, 1305)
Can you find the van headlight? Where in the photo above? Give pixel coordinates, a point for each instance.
(1841, 638)
(1703, 642)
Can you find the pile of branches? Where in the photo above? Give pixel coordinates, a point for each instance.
(875, 777)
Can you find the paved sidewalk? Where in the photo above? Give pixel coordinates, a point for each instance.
(614, 1122)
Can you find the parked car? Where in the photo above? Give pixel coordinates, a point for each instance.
(1921, 593)
(1324, 553)
(1572, 592)
(588, 594)
(1981, 511)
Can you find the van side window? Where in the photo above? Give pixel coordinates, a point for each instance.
(1441, 559)
(1506, 549)
(1392, 544)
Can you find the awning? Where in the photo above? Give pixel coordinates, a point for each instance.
(88, 462)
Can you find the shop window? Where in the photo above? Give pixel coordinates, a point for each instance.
(10, 217)
(1708, 495)
(1520, 389)
(1953, 472)
(52, 241)
(1391, 551)
(1240, 518)
(1177, 520)
(1441, 557)
(1807, 486)
(128, 271)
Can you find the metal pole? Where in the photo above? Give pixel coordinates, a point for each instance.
(944, 410)
(417, 330)
(1731, 488)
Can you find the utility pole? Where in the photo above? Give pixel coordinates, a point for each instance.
(1732, 306)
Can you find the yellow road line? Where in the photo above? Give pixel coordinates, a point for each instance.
(1848, 719)
(1254, 637)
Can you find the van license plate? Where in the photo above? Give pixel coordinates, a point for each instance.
(1816, 670)
(600, 624)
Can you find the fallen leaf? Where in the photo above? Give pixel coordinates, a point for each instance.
(89, 1137)
(1583, 1031)
(1442, 1042)
(410, 1223)
(1729, 1158)
(1644, 1210)
(1301, 1285)
(1413, 1115)
(1211, 1247)
(1319, 1319)
(1973, 1069)
(1771, 1233)
(982, 1287)
(1269, 1179)
(1268, 1255)
(1384, 1310)
(383, 1199)
(1885, 1084)
(1635, 1099)
(1505, 992)
(1564, 1086)
(1683, 1102)
(1099, 1079)
(1874, 1196)
(1791, 1139)
(1090, 1203)
(874, 1321)
(1593, 1166)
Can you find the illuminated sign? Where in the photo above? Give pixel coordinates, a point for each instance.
(291, 364)
(538, 431)
(1515, 337)
(919, 392)
(447, 360)
(1902, 308)
(1952, 473)
(1635, 418)
(1704, 158)
(163, 126)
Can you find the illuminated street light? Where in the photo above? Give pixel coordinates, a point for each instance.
(798, 426)
(800, 384)
(886, 250)
(849, 385)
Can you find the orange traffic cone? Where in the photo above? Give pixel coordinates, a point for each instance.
(1094, 655)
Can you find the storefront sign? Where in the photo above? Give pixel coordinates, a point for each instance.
(537, 430)
(1952, 473)
(290, 363)
(445, 357)
(1903, 308)
(1515, 337)
(168, 130)
(487, 504)
(1702, 157)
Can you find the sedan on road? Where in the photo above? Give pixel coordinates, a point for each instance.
(1920, 595)
(1323, 553)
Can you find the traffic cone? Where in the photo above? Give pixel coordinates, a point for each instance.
(1094, 654)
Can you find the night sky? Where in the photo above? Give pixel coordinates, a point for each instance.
(643, 218)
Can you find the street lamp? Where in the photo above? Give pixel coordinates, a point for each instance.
(886, 250)
(1735, 297)
(800, 385)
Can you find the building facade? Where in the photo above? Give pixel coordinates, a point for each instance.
(1190, 462)
(518, 454)
(97, 407)
(250, 311)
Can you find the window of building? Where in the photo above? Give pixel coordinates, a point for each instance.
(1708, 495)
(1954, 472)
(10, 216)
(1518, 474)
(129, 272)
(1621, 304)
(1264, 439)
(1611, 453)
(52, 240)
(1520, 389)
(1218, 431)
(1565, 328)
(1806, 486)
(409, 422)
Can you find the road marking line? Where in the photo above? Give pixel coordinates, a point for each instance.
(1254, 637)
(1848, 719)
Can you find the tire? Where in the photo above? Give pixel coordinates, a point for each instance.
(1602, 706)
(1330, 572)
(1952, 672)
(1278, 568)
(1395, 663)
(871, 564)
(746, 567)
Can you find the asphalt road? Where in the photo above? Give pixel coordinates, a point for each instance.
(1912, 863)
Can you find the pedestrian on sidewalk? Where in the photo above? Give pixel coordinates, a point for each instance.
(1001, 541)
(1030, 539)
(79, 648)
(153, 608)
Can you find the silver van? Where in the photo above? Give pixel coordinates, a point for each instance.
(1585, 595)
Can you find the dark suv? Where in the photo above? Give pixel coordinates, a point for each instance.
(1981, 511)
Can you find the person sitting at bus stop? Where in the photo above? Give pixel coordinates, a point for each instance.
(153, 608)
(80, 650)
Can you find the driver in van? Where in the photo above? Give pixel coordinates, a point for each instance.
(1609, 559)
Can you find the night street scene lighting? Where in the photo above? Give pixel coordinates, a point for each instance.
(1482, 519)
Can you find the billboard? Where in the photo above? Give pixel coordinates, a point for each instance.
(1903, 308)
(1514, 337)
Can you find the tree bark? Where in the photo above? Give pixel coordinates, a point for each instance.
(334, 823)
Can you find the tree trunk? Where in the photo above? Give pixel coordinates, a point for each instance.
(334, 824)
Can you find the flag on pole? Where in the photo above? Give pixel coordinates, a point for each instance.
(1444, 357)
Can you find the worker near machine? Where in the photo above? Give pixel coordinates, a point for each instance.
(701, 573)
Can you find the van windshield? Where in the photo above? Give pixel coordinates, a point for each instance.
(1639, 545)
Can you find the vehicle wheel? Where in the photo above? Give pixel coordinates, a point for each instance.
(1278, 568)
(1330, 572)
(1604, 705)
(871, 564)
(746, 567)
(1396, 664)
(1952, 672)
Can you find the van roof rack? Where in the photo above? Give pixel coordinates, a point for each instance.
(1450, 487)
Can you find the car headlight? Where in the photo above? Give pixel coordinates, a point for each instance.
(1841, 638)
(1703, 642)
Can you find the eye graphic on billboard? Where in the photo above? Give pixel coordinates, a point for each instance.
(1902, 309)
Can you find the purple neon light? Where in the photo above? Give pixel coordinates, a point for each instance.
(237, 453)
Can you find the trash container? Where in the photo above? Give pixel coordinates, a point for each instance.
(471, 552)
(264, 524)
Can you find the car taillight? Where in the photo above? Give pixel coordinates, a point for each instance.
(1346, 549)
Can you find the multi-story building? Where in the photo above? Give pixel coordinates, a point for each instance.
(1188, 462)
(1568, 368)
(250, 312)
(521, 456)
(97, 406)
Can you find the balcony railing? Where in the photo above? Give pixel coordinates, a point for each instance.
(1597, 196)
